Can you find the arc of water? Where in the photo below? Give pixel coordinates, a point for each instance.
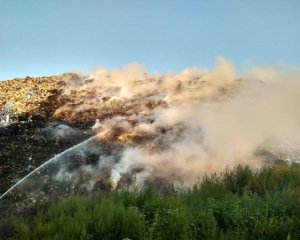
(46, 163)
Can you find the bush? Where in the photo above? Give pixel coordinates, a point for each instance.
(239, 204)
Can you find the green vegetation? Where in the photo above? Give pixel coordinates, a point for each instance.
(239, 204)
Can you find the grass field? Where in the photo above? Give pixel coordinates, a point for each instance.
(238, 204)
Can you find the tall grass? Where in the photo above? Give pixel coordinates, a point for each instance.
(238, 204)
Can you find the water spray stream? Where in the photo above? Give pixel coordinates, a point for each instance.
(46, 163)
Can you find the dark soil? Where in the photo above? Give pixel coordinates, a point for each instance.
(26, 145)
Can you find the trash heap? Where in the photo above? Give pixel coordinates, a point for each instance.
(25, 95)
(47, 97)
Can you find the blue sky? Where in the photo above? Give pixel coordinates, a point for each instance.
(42, 37)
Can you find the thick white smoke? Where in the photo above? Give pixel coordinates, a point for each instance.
(180, 126)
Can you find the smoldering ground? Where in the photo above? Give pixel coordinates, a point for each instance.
(201, 121)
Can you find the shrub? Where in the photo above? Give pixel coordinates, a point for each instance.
(239, 204)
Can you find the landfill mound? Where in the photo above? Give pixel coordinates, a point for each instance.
(121, 128)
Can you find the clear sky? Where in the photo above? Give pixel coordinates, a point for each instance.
(46, 37)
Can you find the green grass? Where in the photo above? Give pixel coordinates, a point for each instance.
(238, 204)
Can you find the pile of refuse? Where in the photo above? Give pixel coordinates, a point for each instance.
(21, 96)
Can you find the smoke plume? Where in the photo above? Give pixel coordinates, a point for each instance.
(178, 127)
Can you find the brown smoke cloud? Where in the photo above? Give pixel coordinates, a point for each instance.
(181, 126)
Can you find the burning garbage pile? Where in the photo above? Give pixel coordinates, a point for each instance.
(143, 128)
